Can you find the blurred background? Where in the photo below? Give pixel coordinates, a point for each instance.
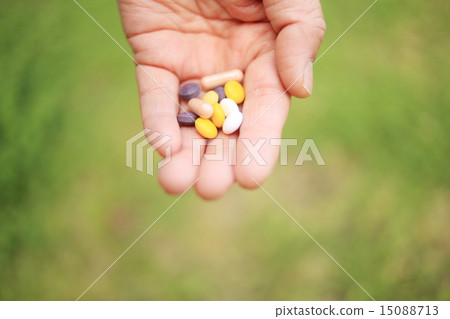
(381, 206)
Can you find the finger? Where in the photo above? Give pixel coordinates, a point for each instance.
(158, 91)
(265, 112)
(245, 10)
(301, 27)
(180, 172)
(216, 170)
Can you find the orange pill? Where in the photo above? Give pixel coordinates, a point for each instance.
(218, 116)
(206, 128)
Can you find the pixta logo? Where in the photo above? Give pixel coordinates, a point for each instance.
(225, 150)
(139, 145)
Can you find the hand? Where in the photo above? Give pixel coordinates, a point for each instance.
(272, 41)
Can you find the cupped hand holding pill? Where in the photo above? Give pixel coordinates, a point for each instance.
(179, 41)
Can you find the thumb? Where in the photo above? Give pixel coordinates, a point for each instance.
(301, 27)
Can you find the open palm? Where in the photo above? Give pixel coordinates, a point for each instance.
(274, 42)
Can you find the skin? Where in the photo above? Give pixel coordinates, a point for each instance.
(174, 41)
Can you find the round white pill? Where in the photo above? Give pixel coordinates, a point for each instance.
(229, 106)
(232, 122)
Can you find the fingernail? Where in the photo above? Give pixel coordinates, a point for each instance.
(308, 77)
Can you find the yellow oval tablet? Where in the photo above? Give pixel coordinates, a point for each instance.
(211, 97)
(218, 116)
(206, 128)
(234, 91)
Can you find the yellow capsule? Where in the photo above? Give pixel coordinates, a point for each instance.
(211, 97)
(206, 128)
(218, 116)
(234, 91)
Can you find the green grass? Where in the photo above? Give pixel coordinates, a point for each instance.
(69, 206)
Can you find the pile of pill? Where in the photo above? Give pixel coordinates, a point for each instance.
(218, 108)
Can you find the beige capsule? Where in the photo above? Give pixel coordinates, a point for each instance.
(201, 108)
(212, 81)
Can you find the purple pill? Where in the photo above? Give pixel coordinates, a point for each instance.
(221, 92)
(189, 91)
(187, 119)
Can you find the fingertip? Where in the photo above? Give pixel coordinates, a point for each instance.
(207, 190)
(297, 90)
(173, 181)
(217, 171)
(177, 175)
(246, 10)
(299, 84)
(295, 63)
(247, 183)
(250, 177)
(253, 168)
(298, 81)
